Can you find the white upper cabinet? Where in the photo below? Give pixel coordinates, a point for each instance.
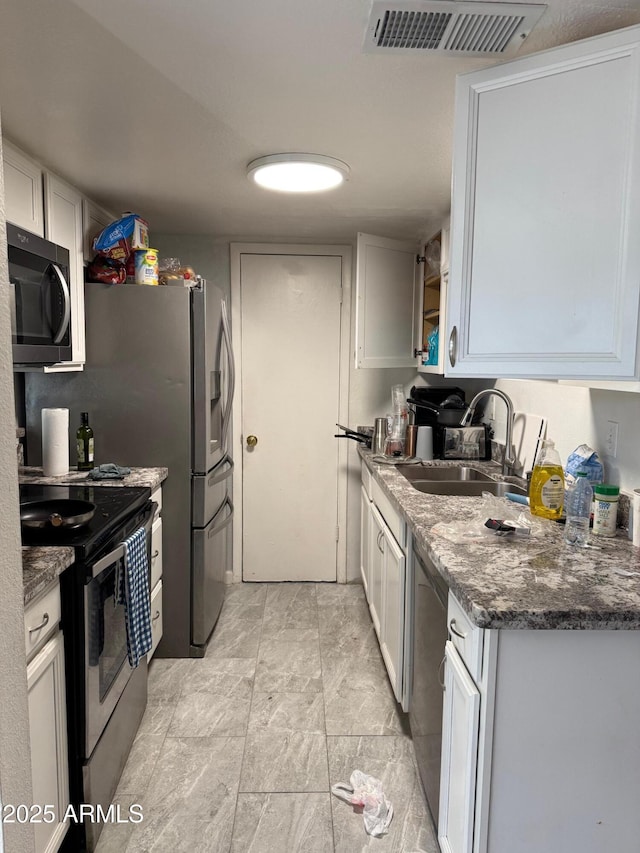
(388, 281)
(545, 256)
(23, 190)
(63, 209)
(94, 220)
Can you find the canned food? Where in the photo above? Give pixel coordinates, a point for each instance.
(146, 269)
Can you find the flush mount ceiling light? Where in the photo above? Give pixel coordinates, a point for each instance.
(298, 173)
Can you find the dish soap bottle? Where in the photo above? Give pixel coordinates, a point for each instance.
(546, 492)
(84, 444)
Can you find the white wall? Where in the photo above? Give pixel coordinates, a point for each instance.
(15, 766)
(578, 415)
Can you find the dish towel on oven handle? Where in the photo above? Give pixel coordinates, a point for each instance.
(132, 590)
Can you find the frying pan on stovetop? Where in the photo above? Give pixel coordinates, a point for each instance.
(62, 514)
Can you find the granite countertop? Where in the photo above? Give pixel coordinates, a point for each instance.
(539, 582)
(150, 477)
(42, 565)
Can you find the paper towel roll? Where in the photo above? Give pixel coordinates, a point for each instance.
(635, 509)
(424, 442)
(55, 442)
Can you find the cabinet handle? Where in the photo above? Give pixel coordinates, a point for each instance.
(156, 616)
(380, 536)
(155, 554)
(454, 630)
(45, 621)
(453, 346)
(441, 672)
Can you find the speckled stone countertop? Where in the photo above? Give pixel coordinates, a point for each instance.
(41, 566)
(150, 477)
(539, 582)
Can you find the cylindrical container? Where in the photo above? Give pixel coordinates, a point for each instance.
(55, 442)
(577, 507)
(394, 445)
(424, 442)
(410, 440)
(146, 266)
(379, 435)
(605, 513)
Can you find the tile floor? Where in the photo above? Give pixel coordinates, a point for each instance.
(237, 752)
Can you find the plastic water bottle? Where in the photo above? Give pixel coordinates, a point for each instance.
(578, 510)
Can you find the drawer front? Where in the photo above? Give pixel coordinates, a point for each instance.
(41, 618)
(367, 480)
(156, 618)
(393, 518)
(466, 637)
(156, 552)
(157, 497)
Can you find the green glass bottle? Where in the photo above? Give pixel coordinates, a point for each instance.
(84, 444)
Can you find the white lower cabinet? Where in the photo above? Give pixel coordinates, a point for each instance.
(365, 523)
(393, 623)
(156, 618)
(383, 562)
(155, 583)
(376, 567)
(460, 718)
(540, 747)
(48, 734)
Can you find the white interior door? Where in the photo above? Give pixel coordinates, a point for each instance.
(290, 384)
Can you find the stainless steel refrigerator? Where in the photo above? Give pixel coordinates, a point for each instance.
(158, 386)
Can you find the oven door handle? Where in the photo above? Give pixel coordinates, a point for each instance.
(108, 560)
(118, 551)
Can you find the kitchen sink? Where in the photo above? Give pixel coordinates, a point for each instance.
(446, 473)
(465, 488)
(455, 480)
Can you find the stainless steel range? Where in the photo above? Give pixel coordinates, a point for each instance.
(106, 698)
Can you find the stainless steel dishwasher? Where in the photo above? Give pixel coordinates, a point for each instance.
(425, 712)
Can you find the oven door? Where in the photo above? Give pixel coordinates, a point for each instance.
(107, 669)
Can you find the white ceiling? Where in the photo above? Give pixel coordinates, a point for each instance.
(157, 106)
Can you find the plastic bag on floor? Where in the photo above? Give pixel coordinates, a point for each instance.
(365, 791)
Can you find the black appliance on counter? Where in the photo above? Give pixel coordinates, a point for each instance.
(106, 698)
(440, 408)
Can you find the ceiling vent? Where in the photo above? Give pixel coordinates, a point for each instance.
(451, 28)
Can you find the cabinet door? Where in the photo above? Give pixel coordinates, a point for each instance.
(63, 208)
(434, 300)
(393, 621)
(460, 723)
(48, 732)
(94, 220)
(156, 619)
(388, 297)
(544, 267)
(22, 190)
(156, 552)
(365, 512)
(376, 568)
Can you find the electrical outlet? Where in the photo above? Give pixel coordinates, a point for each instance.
(611, 440)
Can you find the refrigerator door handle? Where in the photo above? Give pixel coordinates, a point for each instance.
(226, 334)
(217, 526)
(219, 476)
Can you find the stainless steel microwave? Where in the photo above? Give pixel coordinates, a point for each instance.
(40, 299)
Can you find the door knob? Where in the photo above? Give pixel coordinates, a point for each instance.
(252, 440)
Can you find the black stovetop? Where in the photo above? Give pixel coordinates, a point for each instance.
(114, 505)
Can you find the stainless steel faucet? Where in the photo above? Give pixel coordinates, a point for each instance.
(508, 460)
